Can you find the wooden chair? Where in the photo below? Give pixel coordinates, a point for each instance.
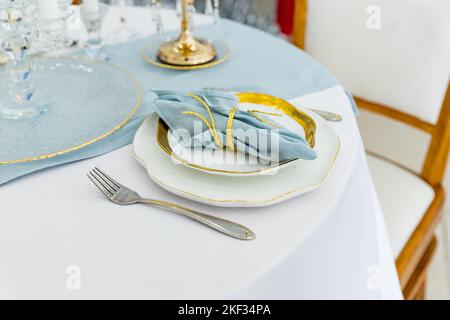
(401, 71)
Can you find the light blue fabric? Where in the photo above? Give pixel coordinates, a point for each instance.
(258, 60)
(264, 140)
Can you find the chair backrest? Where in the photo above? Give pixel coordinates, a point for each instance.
(394, 55)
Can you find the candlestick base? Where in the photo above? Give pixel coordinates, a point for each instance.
(187, 52)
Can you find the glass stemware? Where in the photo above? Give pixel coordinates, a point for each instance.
(156, 14)
(18, 33)
(21, 29)
(215, 12)
(52, 31)
(93, 21)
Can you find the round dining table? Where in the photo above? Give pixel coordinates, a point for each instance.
(59, 238)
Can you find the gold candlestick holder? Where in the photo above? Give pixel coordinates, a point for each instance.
(186, 50)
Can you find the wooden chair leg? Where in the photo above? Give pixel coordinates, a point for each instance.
(421, 291)
(415, 289)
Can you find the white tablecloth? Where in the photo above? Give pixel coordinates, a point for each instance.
(331, 243)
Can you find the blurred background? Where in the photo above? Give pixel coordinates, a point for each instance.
(261, 14)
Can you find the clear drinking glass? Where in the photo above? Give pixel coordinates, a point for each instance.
(215, 10)
(156, 14)
(22, 29)
(18, 32)
(93, 21)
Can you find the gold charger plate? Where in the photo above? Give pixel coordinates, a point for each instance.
(150, 54)
(301, 118)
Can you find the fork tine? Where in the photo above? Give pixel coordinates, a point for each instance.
(111, 186)
(103, 182)
(100, 187)
(117, 184)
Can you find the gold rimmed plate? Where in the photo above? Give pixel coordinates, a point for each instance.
(242, 191)
(89, 102)
(150, 54)
(228, 163)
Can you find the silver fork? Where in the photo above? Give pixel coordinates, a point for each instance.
(122, 195)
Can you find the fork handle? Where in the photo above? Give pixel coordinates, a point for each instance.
(227, 227)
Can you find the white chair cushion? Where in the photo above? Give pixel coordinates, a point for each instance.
(405, 64)
(404, 198)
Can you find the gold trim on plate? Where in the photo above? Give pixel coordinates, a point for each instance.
(279, 104)
(201, 199)
(101, 137)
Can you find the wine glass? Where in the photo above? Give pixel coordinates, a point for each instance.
(214, 10)
(156, 15)
(93, 18)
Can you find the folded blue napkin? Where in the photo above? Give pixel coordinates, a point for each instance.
(187, 116)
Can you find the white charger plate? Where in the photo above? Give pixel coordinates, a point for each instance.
(249, 191)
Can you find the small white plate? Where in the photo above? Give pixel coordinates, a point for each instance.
(251, 191)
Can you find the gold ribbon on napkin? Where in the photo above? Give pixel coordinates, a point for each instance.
(229, 131)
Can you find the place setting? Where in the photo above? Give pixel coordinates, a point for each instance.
(242, 146)
(259, 140)
(216, 167)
